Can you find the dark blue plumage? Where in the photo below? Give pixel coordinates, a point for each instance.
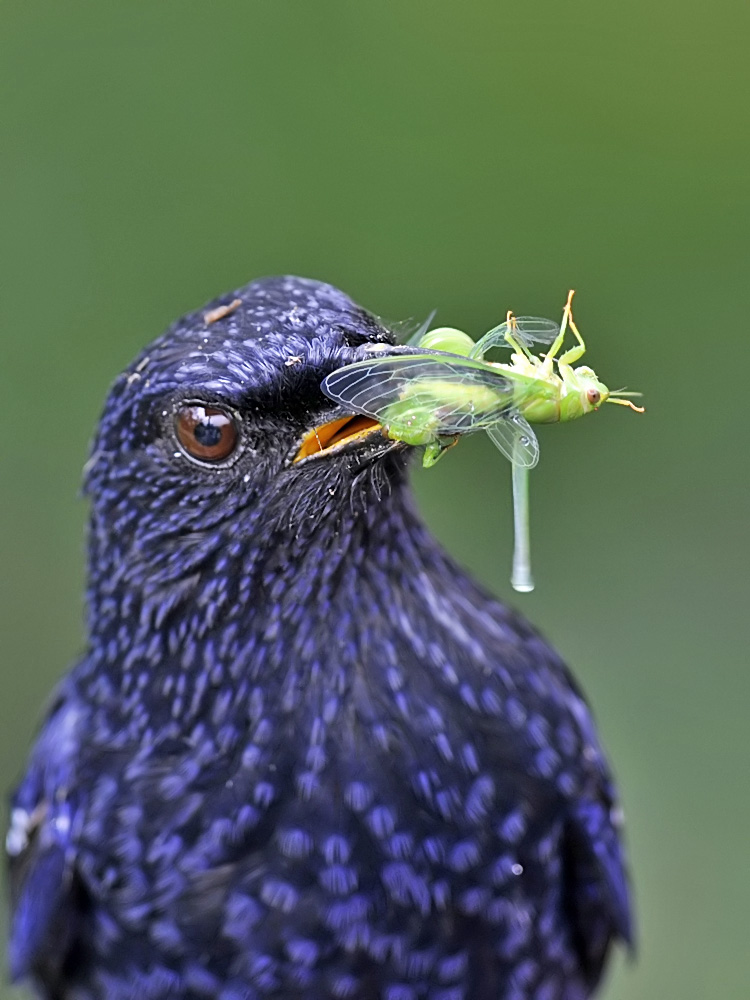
(303, 754)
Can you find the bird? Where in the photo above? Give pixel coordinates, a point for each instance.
(303, 753)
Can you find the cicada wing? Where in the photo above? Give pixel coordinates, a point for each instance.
(496, 337)
(421, 330)
(537, 329)
(460, 395)
(516, 440)
(526, 330)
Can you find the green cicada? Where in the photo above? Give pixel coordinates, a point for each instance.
(435, 391)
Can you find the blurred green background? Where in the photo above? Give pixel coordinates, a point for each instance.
(471, 157)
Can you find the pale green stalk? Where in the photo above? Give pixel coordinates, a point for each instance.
(520, 578)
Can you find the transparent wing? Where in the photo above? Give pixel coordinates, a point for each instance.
(516, 440)
(459, 395)
(527, 330)
(421, 330)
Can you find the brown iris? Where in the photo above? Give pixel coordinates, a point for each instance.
(206, 433)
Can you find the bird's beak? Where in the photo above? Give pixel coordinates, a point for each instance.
(335, 435)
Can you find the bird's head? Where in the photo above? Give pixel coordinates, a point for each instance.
(218, 439)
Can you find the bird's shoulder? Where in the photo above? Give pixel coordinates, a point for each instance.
(40, 843)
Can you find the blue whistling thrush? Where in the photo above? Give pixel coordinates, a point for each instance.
(303, 754)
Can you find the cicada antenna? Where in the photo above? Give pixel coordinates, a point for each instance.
(626, 402)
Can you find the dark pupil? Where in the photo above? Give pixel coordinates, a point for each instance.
(207, 434)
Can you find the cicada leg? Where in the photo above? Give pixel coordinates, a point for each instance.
(510, 339)
(573, 355)
(575, 352)
(435, 450)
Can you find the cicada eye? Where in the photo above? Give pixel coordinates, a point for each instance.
(206, 433)
(593, 396)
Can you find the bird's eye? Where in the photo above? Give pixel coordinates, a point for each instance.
(206, 433)
(593, 396)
